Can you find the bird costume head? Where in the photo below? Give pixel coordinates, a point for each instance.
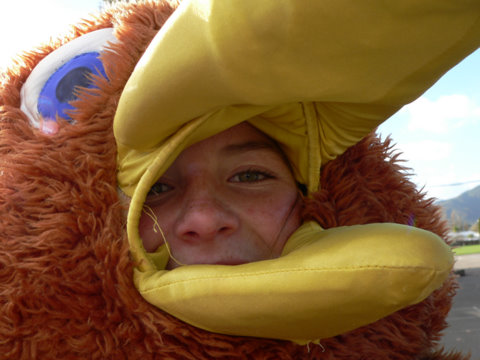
(98, 116)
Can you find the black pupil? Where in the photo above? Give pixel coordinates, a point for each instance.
(65, 90)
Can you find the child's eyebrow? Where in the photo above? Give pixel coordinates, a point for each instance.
(250, 146)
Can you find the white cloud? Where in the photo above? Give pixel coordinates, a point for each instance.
(437, 172)
(441, 115)
(447, 186)
(426, 150)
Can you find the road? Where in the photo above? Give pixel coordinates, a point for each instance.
(463, 332)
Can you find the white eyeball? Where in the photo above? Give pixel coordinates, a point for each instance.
(53, 83)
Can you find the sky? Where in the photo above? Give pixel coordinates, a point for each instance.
(28, 23)
(438, 134)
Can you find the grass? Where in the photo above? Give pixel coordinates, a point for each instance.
(467, 249)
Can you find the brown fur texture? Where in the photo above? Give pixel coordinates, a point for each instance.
(66, 288)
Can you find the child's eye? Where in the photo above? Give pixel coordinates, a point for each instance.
(250, 176)
(159, 188)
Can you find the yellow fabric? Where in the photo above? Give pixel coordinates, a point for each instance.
(324, 284)
(316, 76)
(357, 61)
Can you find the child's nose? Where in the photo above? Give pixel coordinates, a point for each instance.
(205, 217)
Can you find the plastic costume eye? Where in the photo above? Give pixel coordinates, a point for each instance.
(60, 88)
(54, 82)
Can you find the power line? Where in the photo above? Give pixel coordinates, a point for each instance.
(457, 183)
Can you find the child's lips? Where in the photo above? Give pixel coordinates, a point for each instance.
(230, 262)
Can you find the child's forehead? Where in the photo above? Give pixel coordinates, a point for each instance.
(237, 140)
(242, 136)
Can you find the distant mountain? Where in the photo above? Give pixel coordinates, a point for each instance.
(465, 206)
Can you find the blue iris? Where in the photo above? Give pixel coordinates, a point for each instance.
(60, 88)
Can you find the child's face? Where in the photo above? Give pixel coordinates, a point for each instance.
(229, 199)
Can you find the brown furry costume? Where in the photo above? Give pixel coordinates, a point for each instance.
(66, 286)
